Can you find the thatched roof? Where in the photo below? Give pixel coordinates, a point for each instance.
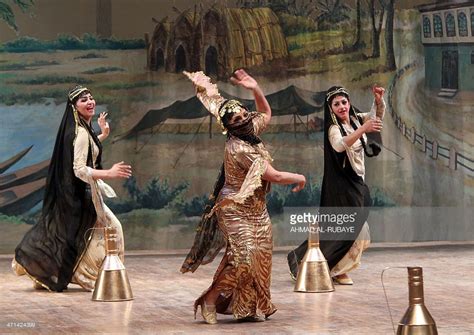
(271, 32)
(242, 37)
(188, 18)
(212, 14)
(163, 26)
(253, 35)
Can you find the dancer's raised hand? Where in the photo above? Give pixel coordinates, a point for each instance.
(242, 78)
(378, 92)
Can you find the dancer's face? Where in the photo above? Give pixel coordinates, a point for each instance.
(85, 106)
(340, 106)
(240, 116)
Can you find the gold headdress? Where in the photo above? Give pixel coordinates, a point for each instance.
(340, 90)
(208, 94)
(76, 91)
(72, 94)
(329, 95)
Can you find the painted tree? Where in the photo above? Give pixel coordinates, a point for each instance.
(307, 8)
(280, 6)
(358, 40)
(310, 9)
(292, 6)
(376, 27)
(331, 12)
(6, 11)
(389, 50)
(252, 3)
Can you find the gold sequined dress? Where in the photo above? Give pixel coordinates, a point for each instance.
(244, 275)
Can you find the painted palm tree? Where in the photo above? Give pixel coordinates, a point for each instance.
(6, 11)
(332, 12)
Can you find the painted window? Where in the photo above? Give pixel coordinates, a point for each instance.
(462, 24)
(438, 26)
(426, 27)
(472, 23)
(450, 25)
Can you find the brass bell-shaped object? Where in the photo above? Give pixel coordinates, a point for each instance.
(416, 320)
(313, 272)
(112, 284)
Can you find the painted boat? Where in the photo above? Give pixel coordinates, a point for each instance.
(19, 199)
(25, 175)
(4, 166)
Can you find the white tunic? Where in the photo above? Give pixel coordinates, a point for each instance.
(355, 152)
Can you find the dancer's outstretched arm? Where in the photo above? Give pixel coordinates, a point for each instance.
(242, 78)
(284, 178)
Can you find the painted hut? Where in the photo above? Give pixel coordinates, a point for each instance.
(158, 45)
(222, 40)
(182, 43)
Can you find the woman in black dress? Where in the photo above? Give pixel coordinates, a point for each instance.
(62, 248)
(345, 144)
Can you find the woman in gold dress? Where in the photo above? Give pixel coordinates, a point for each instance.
(238, 216)
(63, 247)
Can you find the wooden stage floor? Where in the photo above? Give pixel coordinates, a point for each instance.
(164, 298)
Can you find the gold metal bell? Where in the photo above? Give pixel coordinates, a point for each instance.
(313, 272)
(416, 320)
(112, 284)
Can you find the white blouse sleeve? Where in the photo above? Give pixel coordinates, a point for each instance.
(81, 150)
(336, 139)
(375, 111)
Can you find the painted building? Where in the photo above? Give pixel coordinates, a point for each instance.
(217, 42)
(448, 38)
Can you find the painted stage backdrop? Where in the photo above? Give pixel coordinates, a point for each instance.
(131, 54)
